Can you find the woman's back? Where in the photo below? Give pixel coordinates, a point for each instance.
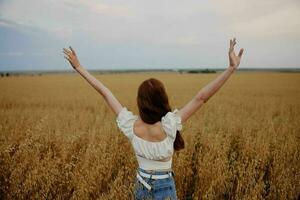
(149, 132)
(153, 144)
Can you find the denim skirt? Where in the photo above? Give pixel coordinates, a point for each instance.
(160, 188)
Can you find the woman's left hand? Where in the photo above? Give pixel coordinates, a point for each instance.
(71, 56)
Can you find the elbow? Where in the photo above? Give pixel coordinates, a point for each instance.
(201, 97)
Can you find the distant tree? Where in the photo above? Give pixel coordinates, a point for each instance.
(7, 74)
(208, 71)
(193, 71)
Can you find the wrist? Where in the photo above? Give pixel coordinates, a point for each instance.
(79, 68)
(231, 69)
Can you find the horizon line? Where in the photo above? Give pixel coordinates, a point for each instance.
(149, 69)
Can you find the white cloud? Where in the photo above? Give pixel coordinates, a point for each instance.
(261, 19)
(101, 8)
(186, 28)
(280, 24)
(166, 22)
(61, 17)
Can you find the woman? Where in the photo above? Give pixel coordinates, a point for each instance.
(154, 134)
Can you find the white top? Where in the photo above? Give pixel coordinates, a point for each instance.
(149, 153)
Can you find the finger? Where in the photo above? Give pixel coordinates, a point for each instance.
(72, 50)
(241, 53)
(231, 46)
(67, 58)
(67, 50)
(67, 53)
(234, 41)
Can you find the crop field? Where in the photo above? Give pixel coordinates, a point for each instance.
(59, 139)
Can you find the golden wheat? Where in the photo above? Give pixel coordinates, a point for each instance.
(59, 139)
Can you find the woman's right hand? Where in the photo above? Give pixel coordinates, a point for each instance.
(71, 56)
(234, 60)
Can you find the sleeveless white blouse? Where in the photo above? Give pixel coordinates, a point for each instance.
(149, 153)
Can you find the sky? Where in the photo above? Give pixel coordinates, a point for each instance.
(139, 34)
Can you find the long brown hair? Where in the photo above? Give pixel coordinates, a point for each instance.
(153, 104)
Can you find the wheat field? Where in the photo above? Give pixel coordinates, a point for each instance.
(59, 139)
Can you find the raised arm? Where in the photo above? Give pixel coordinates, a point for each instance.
(209, 90)
(114, 104)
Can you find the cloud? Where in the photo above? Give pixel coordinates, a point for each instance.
(100, 8)
(142, 33)
(61, 18)
(280, 24)
(261, 19)
(167, 22)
